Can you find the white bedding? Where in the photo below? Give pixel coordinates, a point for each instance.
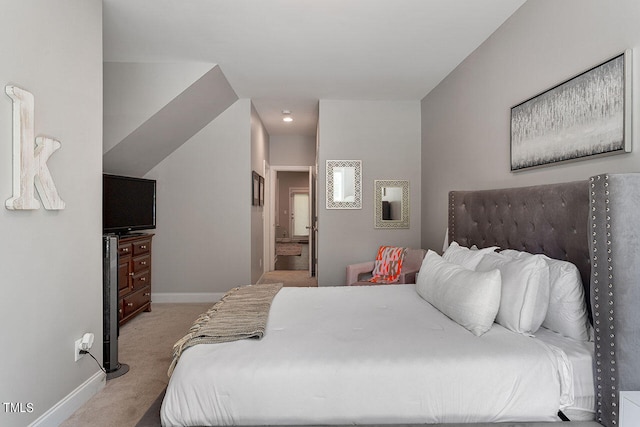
(580, 354)
(374, 354)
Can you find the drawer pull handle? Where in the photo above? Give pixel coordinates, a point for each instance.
(143, 262)
(131, 274)
(120, 311)
(125, 249)
(143, 246)
(143, 279)
(130, 304)
(147, 294)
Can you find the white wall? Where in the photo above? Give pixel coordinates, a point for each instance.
(203, 230)
(465, 120)
(51, 265)
(292, 150)
(385, 135)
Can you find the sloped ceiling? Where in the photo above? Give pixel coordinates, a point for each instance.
(171, 126)
(289, 54)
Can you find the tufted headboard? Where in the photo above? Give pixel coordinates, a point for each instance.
(544, 219)
(594, 224)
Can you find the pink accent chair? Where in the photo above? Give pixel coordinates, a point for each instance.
(358, 274)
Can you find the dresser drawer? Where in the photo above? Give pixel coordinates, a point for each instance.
(141, 280)
(141, 263)
(141, 246)
(136, 300)
(125, 249)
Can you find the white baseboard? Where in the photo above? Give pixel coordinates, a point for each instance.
(160, 297)
(62, 410)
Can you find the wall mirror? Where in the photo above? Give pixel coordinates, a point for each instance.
(344, 184)
(391, 203)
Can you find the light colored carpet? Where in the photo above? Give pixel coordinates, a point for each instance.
(145, 344)
(289, 278)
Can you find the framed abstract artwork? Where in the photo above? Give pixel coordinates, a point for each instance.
(588, 115)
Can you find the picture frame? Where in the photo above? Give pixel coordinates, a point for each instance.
(261, 196)
(586, 116)
(255, 188)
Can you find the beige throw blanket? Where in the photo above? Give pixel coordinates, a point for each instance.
(241, 313)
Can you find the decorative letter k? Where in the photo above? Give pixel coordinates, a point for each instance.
(29, 165)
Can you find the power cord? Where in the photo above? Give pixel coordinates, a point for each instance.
(99, 365)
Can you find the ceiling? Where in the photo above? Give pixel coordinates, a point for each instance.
(289, 54)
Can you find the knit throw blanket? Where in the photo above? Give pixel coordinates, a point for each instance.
(241, 313)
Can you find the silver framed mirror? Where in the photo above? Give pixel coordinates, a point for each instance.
(391, 203)
(344, 184)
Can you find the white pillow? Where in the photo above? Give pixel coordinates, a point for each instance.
(567, 313)
(445, 244)
(470, 298)
(525, 291)
(468, 258)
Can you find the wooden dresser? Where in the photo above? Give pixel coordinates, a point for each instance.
(134, 276)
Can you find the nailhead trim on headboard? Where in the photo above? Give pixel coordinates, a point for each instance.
(606, 377)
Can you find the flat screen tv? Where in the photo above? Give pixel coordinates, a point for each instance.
(128, 204)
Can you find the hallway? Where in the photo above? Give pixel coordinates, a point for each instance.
(289, 278)
(292, 256)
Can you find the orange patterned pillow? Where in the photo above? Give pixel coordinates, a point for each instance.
(388, 264)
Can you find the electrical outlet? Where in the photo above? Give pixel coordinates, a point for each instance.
(77, 355)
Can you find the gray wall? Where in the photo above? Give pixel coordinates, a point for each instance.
(292, 150)
(51, 266)
(204, 221)
(134, 91)
(259, 153)
(465, 120)
(385, 135)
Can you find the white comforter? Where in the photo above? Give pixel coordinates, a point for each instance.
(355, 355)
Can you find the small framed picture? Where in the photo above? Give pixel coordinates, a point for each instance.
(255, 188)
(261, 198)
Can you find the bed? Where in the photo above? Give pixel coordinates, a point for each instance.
(385, 355)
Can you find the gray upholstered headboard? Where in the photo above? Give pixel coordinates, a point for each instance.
(544, 219)
(614, 224)
(594, 224)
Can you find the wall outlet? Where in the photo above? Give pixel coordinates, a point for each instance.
(85, 343)
(78, 346)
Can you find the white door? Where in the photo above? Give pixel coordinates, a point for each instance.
(299, 207)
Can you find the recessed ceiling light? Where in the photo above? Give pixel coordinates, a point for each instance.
(287, 116)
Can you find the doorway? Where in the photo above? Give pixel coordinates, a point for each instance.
(292, 220)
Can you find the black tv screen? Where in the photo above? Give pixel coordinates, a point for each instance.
(128, 204)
